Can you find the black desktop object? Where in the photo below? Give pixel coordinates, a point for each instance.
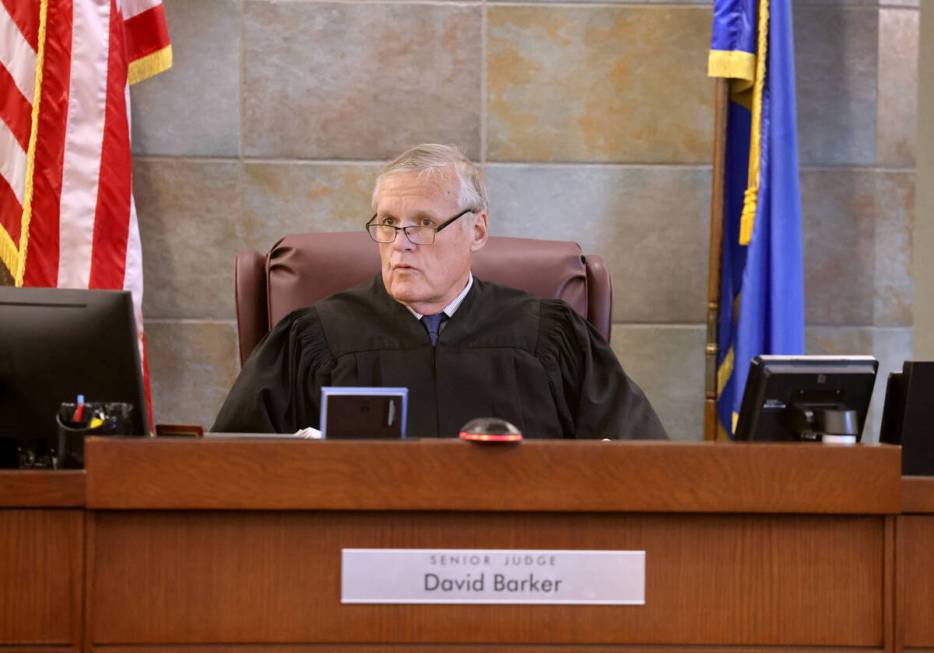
(908, 417)
(893, 413)
(56, 344)
(811, 398)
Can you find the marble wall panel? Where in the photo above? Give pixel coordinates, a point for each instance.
(857, 238)
(598, 83)
(667, 362)
(649, 223)
(279, 199)
(891, 346)
(615, 2)
(568, 81)
(856, 3)
(359, 81)
(194, 107)
(893, 227)
(898, 87)
(833, 3)
(189, 216)
(836, 62)
(192, 366)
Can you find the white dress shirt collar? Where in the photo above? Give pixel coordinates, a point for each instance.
(451, 308)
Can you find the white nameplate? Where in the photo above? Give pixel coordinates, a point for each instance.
(493, 576)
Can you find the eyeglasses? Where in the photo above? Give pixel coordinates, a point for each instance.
(417, 234)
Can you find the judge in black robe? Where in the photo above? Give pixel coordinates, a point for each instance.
(504, 353)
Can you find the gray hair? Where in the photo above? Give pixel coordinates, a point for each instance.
(431, 158)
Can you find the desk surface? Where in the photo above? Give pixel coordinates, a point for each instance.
(454, 475)
(40, 488)
(918, 495)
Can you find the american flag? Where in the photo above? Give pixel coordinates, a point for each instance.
(67, 217)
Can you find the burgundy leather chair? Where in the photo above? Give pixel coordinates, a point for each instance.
(303, 268)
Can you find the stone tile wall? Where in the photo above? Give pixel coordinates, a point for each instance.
(593, 121)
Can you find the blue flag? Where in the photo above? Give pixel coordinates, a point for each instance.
(762, 277)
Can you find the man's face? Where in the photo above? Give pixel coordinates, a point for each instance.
(427, 277)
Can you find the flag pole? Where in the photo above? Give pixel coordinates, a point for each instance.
(715, 250)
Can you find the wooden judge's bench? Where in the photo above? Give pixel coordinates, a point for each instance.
(197, 546)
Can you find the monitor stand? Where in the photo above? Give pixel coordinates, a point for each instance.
(825, 423)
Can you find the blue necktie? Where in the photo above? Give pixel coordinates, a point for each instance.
(433, 325)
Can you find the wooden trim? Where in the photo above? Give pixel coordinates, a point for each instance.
(474, 648)
(87, 590)
(230, 474)
(918, 494)
(20, 648)
(79, 594)
(899, 594)
(888, 584)
(41, 489)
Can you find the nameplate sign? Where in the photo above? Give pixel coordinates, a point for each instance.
(492, 576)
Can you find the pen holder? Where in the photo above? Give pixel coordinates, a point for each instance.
(100, 418)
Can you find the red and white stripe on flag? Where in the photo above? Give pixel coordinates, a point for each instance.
(67, 217)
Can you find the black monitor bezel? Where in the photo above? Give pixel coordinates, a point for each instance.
(763, 367)
(113, 307)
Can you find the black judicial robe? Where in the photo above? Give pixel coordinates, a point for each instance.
(504, 354)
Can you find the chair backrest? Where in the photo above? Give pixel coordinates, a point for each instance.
(302, 269)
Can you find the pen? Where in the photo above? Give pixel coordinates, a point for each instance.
(79, 410)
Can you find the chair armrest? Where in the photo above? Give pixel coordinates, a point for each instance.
(252, 307)
(599, 295)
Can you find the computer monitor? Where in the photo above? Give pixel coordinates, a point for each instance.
(56, 344)
(806, 397)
